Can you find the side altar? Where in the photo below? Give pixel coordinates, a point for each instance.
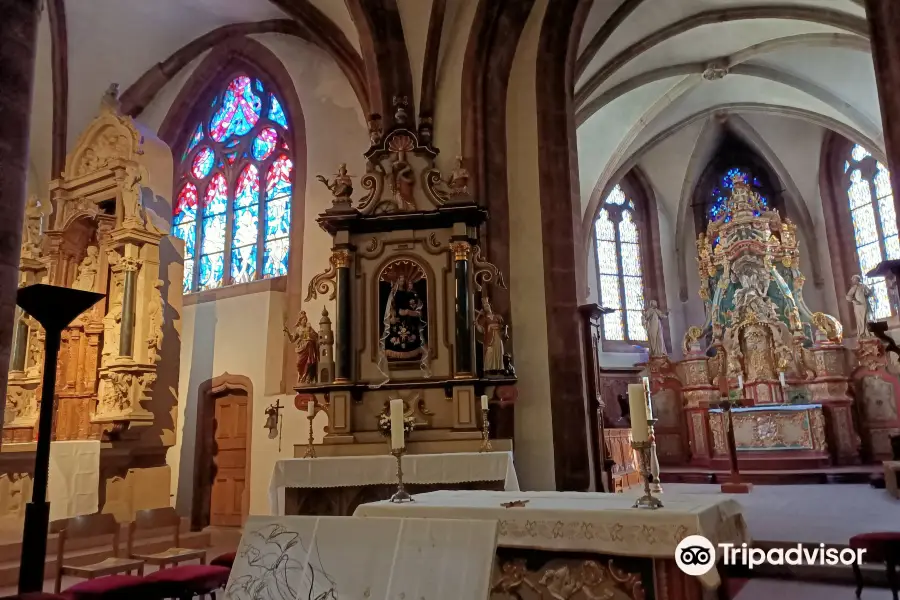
(118, 361)
(801, 397)
(410, 286)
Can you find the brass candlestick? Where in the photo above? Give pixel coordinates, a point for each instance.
(655, 485)
(310, 449)
(485, 432)
(644, 452)
(401, 495)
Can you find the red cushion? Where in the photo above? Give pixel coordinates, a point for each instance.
(34, 596)
(199, 579)
(878, 544)
(106, 587)
(223, 560)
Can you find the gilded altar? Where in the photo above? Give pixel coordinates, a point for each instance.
(409, 287)
(800, 396)
(118, 362)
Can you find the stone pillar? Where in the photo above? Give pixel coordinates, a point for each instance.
(344, 318)
(18, 30)
(126, 337)
(463, 317)
(884, 21)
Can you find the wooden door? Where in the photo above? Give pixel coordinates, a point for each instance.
(228, 500)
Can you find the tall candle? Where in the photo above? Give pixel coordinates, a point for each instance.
(646, 382)
(741, 381)
(484, 403)
(781, 379)
(397, 439)
(637, 403)
(310, 409)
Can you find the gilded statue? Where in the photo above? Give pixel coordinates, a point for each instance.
(306, 345)
(458, 181)
(650, 319)
(342, 187)
(691, 343)
(490, 325)
(858, 295)
(829, 327)
(86, 275)
(402, 182)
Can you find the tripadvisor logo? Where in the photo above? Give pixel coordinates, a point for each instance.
(695, 555)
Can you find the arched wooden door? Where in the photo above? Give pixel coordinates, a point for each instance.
(228, 495)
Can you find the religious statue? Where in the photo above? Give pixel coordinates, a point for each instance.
(404, 322)
(35, 213)
(306, 345)
(691, 341)
(458, 182)
(341, 188)
(490, 325)
(155, 322)
(115, 397)
(36, 340)
(131, 195)
(375, 132)
(86, 275)
(402, 182)
(858, 295)
(110, 100)
(111, 330)
(650, 318)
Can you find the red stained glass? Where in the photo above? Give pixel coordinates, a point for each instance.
(278, 182)
(239, 112)
(186, 205)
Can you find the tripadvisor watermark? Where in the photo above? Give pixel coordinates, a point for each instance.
(696, 555)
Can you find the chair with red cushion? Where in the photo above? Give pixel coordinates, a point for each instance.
(187, 581)
(880, 547)
(34, 596)
(223, 560)
(112, 587)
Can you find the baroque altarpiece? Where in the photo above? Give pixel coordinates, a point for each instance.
(411, 290)
(117, 366)
(799, 396)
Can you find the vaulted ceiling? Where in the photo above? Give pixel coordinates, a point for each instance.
(647, 69)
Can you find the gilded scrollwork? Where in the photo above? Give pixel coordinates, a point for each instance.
(324, 282)
(690, 345)
(566, 580)
(485, 272)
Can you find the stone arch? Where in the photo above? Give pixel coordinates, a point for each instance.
(207, 393)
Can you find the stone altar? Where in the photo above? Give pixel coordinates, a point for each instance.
(409, 287)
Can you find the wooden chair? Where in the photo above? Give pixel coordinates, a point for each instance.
(85, 527)
(162, 518)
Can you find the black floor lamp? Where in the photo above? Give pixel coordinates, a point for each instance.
(54, 308)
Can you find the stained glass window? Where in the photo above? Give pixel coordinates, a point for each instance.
(871, 202)
(722, 191)
(233, 208)
(619, 272)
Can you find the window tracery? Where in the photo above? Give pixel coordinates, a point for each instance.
(233, 233)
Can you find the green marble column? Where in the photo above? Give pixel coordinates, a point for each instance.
(463, 316)
(126, 337)
(343, 343)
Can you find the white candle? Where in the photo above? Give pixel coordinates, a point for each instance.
(781, 379)
(397, 439)
(310, 409)
(637, 403)
(646, 382)
(484, 403)
(741, 381)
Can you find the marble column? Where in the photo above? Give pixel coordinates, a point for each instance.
(884, 21)
(463, 316)
(344, 316)
(126, 336)
(18, 30)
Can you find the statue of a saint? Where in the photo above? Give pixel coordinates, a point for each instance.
(858, 295)
(402, 182)
(650, 318)
(86, 274)
(404, 322)
(35, 212)
(458, 182)
(132, 210)
(306, 345)
(342, 187)
(111, 330)
(110, 100)
(155, 320)
(490, 325)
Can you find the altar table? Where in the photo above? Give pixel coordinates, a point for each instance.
(336, 485)
(587, 533)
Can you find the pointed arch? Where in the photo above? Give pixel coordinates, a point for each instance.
(251, 216)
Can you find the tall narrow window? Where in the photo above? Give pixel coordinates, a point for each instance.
(232, 232)
(871, 201)
(619, 271)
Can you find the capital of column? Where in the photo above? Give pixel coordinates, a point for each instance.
(340, 259)
(461, 250)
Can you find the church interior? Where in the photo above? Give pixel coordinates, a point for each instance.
(514, 296)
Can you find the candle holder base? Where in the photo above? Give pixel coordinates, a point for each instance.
(648, 501)
(643, 451)
(736, 487)
(310, 448)
(401, 495)
(485, 433)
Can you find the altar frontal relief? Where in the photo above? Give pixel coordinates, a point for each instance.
(347, 558)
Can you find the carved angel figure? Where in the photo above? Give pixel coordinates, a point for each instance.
(306, 345)
(458, 181)
(86, 274)
(342, 187)
(858, 295)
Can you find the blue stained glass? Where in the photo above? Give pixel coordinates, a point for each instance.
(276, 258)
(278, 181)
(212, 268)
(720, 197)
(203, 162)
(216, 196)
(259, 86)
(195, 139)
(247, 192)
(246, 226)
(278, 217)
(188, 275)
(232, 144)
(185, 205)
(188, 233)
(264, 143)
(243, 264)
(213, 234)
(239, 112)
(276, 113)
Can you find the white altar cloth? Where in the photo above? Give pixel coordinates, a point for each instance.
(583, 522)
(73, 488)
(348, 471)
